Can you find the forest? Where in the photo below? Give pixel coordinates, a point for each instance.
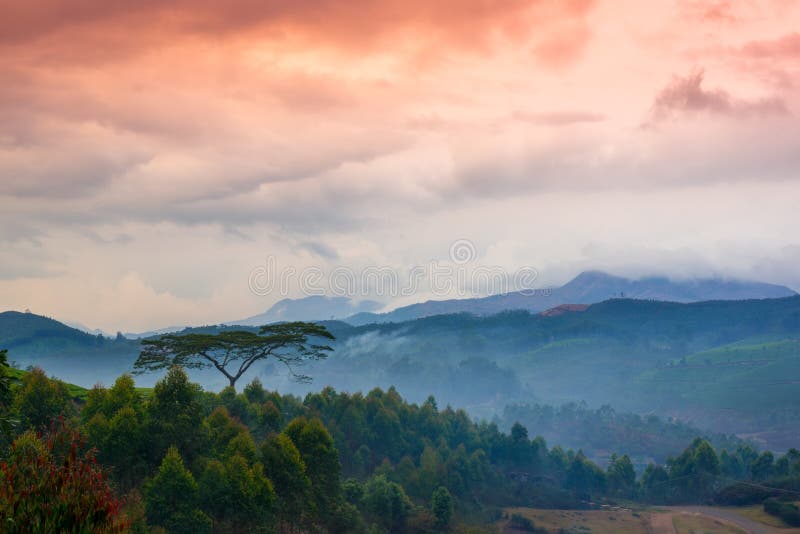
(176, 458)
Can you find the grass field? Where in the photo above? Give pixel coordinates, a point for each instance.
(582, 521)
(756, 513)
(76, 392)
(652, 521)
(696, 524)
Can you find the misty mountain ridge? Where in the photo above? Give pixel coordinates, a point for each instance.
(313, 308)
(93, 331)
(589, 287)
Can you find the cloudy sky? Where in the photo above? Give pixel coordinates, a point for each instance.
(154, 153)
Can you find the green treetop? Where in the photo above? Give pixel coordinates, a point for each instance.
(232, 353)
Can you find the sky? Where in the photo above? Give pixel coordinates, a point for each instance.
(154, 155)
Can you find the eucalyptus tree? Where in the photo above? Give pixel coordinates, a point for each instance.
(6, 396)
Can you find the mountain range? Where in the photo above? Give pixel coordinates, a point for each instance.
(587, 288)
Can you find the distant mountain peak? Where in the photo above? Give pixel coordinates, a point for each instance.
(311, 308)
(588, 287)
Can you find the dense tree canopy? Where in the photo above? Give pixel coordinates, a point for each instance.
(40, 400)
(184, 460)
(5, 379)
(6, 396)
(172, 498)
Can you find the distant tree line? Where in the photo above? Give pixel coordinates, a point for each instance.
(645, 438)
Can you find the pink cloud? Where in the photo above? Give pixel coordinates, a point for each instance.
(787, 46)
(686, 94)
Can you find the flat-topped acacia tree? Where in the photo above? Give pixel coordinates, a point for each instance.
(233, 352)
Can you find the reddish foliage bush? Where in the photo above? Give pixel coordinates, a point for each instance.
(53, 483)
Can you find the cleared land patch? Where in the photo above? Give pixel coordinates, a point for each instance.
(581, 521)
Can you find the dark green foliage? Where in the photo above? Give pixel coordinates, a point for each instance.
(621, 477)
(38, 401)
(763, 468)
(171, 498)
(233, 352)
(255, 392)
(695, 471)
(5, 381)
(585, 478)
(237, 494)
(220, 431)
(386, 503)
(352, 491)
(6, 398)
(442, 507)
(744, 493)
(788, 512)
(260, 461)
(321, 461)
(740, 494)
(423, 448)
(174, 416)
(115, 424)
(747, 465)
(604, 429)
(522, 523)
(518, 432)
(655, 484)
(284, 466)
(701, 474)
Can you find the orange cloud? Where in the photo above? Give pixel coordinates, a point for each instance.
(95, 30)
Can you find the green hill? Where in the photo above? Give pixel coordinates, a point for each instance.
(29, 333)
(65, 352)
(728, 366)
(731, 366)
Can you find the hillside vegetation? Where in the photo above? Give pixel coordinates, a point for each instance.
(186, 460)
(695, 361)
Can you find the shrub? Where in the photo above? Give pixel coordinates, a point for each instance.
(54, 484)
(520, 522)
(786, 511)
